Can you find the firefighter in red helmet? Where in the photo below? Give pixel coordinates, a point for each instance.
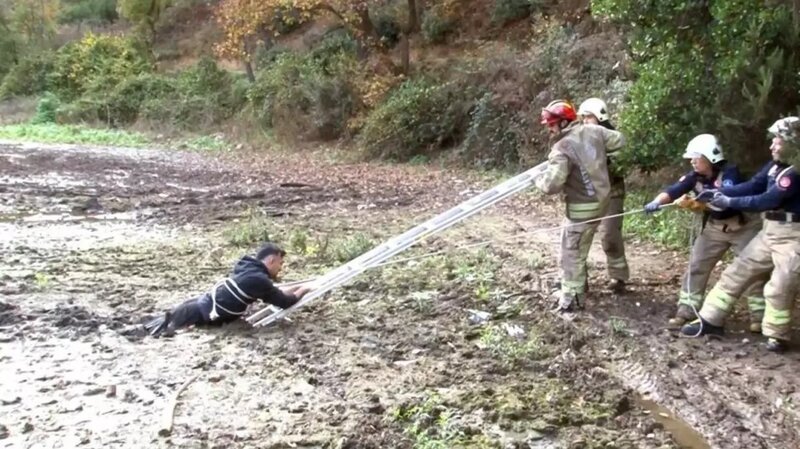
(578, 170)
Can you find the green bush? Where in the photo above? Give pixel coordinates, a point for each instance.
(419, 116)
(197, 97)
(308, 97)
(28, 76)
(46, 109)
(436, 27)
(727, 67)
(505, 11)
(89, 11)
(96, 65)
(124, 104)
(496, 136)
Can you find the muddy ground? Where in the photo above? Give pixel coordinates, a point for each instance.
(95, 240)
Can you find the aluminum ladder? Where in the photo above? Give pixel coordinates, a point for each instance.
(395, 245)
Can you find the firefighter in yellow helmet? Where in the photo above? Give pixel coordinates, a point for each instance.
(595, 111)
(774, 253)
(577, 168)
(722, 229)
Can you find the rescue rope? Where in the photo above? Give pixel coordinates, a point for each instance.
(487, 242)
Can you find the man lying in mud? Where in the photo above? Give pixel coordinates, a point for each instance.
(252, 278)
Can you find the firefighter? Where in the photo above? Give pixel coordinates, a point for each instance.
(722, 229)
(577, 168)
(251, 279)
(774, 253)
(595, 112)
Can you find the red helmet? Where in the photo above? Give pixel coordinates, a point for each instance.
(557, 111)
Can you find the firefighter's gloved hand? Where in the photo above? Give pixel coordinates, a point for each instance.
(707, 195)
(720, 201)
(652, 206)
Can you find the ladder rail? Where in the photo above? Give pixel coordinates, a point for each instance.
(403, 241)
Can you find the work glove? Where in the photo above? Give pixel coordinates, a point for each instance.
(652, 207)
(720, 202)
(707, 195)
(689, 203)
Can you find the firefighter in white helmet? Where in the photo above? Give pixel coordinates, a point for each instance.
(721, 229)
(774, 253)
(595, 111)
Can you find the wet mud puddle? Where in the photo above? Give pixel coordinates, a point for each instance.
(683, 434)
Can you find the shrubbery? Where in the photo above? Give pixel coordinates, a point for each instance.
(308, 96)
(728, 67)
(28, 76)
(421, 115)
(95, 65)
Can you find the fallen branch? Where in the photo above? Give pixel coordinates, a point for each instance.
(169, 414)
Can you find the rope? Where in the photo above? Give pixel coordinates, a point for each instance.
(487, 242)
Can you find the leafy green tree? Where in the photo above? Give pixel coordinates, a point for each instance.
(722, 66)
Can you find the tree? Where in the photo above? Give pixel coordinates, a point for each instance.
(722, 66)
(144, 14)
(35, 21)
(247, 22)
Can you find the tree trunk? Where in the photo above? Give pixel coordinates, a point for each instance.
(413, 16)
(365, 24)
(405, 54)
(248, 67)
(796, 16)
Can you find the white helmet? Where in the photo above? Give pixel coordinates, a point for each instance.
(596, 107)
(705, 145)
(783, 127)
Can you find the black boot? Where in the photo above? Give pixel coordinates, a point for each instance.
(776, 345)
(157, 326)
(701, 327)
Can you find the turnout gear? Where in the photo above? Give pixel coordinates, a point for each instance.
(613, 243)
(595, 107)
(705, 145)
(577, 167)
(773, 255)
(226, 301)
(558, 111)
(722, 230)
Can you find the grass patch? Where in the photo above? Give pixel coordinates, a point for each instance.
(669, 227)
(431, 424)
(512, 351)
(54, 133)
(246, 233)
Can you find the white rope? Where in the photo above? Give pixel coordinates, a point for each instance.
(487, 242)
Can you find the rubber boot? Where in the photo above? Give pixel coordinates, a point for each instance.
(617, 286)
(682, 316)
(777, 345)
(755, 322)
(569, 302)
(701, 327)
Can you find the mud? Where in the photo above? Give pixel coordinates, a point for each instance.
(96, 240)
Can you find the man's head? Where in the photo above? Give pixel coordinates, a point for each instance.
(558, 115)
(271, 255)
(782, 131)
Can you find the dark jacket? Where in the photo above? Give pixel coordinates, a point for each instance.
(724, 176)
(775, 187)
(248, 282)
